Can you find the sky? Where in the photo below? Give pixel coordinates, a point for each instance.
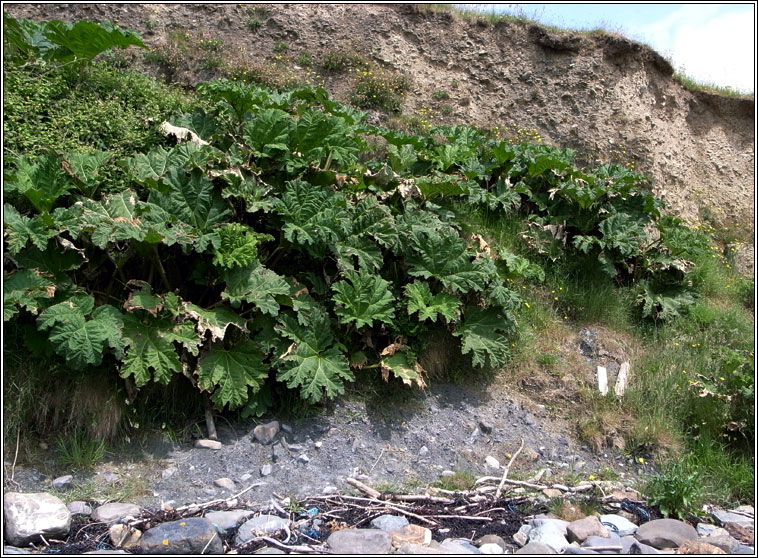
(711, 43)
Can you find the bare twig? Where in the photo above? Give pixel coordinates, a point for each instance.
(489, 511)
(209, 542)
(363, 488)
(15, 456)
(508, 468)
(421, 498)
(377, 461)
(466, 517)
(300, 548)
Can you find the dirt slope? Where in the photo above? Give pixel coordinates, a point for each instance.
(609, 98)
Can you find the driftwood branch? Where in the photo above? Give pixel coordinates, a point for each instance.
(508, 468)
(363, 488)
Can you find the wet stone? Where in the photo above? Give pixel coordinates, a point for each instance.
(193, 535)
(360, 541)
(389, 522)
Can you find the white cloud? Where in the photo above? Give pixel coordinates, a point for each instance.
(708, 45)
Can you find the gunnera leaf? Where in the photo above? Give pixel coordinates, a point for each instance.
(428, 306)
(481, 333)
(229, 372)
(364, 298)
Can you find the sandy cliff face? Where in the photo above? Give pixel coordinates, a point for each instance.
(605, 96)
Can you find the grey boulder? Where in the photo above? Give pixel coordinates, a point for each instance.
(27, 516)
(110, 513)
(193, 535)
(665, 533)
(535, 547)
(360, 541)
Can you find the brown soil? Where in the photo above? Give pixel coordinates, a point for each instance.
(607, 97)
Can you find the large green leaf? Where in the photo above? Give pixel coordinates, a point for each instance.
(86, 39)
(26, 288)
(191, 198)
(312, 215)
(269, 131)
(363, 299)
(229, 373)
(238, 245)
(428, 306)
(113, 219)
(19, 230)
(42, 181)
(481, 333)
(149, 349)
(255, 284)
(365, 251)
(82, 341)
(86, 169)
(252, 191)
(442, 255)
(311, 362)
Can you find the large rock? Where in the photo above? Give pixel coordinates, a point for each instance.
(551, 534)
(698, 547)
(586, 527)
(261, 525)
(535, 547)
(193, 535)
(665, 533)
(410, 534)
(731, 517)
(491, 539)
(27, 516)
(110, 513)
(727, 543)
(360, 541)
(227, 520)
(459, 546)
(622, 525)
(123, 536)
(209, 444)
(601, 544)
(743, 532)
(63, 483)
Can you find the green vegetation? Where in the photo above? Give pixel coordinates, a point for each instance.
(283, 258)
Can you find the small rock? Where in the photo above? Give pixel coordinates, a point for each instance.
(266, 469)
(447, 473)
(208, 444)
(491, 548)
(578, 531)
(491, 539)
(245, 477)
(550, 534)
(460, 546)
(110, 513)
(226, 520)
(423, 451)
(63, 483)
(14, 550)
(270, 550)
(287, 428)
(27, 516)
(745, 533)
(185, 536)
(168, 472)
(730, 517)
(535, 548)
(520, 539)
(421, 549)
(411, 534)
(708, 530)
(572, 549)
(389, 522)
(552, 492)
(360, 541)
(665, 533)
(485, 427)
(745, 549)
(123, 536)
(560, 523)
(727, 543)
(492, 462)
(330, 490)
(265, 433)
(318, 444)
(623, 526)
(261, 525)
(609, 543)
(225, 483)
(303, 458)
(111, 477)
(79, 508)
(698, 547)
